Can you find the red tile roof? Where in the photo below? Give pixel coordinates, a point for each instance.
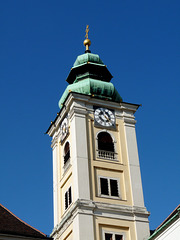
(11, 224)
(169, 217)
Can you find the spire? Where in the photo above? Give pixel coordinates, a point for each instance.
(87, 42)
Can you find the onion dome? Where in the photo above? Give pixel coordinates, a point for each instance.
(88, 58)
(91, 65)
(92, 87)
(90, 76)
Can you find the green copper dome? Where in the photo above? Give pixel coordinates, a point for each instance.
(91, 65)
(90, 76)
(95, 88)
(86, 58)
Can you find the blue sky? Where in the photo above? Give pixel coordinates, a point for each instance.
(139, 41)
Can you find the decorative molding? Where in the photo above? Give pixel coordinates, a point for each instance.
(54, 142)
(87, 101)
(130, 122)
(77, 111)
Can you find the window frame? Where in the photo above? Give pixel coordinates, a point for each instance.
(113, 233)
(109, 189)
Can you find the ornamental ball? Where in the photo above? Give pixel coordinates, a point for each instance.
(87, 42)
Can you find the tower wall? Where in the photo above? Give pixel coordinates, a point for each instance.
(90, 214)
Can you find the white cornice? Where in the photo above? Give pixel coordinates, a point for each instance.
(54, 142)
(89, 207)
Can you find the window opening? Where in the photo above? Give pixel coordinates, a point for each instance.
(114, 188)
(105, 146)
(104, 186)
(108, 236)
(113, 236)
(68, 198)
(118, 237)
(109, 187)
(105, 142)
(66, 152)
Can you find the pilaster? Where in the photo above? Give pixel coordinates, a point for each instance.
(133, 158)
(80, 164)
(55, 180)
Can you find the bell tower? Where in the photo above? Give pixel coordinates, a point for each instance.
(96, 174)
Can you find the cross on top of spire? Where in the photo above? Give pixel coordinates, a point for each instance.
(87, 42)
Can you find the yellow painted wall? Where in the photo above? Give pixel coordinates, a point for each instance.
(110, 168)
(64, 177)
(67, 234)
(100, 167)
(103, 225)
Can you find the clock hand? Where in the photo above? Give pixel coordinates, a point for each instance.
(106, 116)
(103, 116)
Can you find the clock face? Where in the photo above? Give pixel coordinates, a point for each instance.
(104, 117)
(64, 128)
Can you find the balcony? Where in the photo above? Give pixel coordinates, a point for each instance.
(106, 154)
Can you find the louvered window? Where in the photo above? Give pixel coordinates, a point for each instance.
(68, 198)
(109, 187)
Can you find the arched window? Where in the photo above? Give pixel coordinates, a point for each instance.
(105, 146)
(105, 142)
(66, 152)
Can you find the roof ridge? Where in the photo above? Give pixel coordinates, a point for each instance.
(168, 217)
(22, 220)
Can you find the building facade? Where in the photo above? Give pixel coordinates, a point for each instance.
(96, 174)
(169, 229)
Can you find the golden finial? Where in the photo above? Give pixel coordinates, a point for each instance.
(87, 42)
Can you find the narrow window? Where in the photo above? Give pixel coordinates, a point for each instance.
(105, 142)
(114, 188)
(113, 236)
(104, 186)
(108, 236)
(118, 237)
(66, 153)
(68, 198)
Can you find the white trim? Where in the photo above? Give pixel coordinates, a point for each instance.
(101, 209)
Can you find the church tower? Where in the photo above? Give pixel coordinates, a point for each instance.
(96, 174)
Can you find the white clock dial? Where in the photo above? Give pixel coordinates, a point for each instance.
(64, 128)
(104, 117)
